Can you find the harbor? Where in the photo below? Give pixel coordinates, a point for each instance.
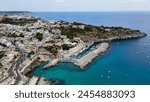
(85, 60)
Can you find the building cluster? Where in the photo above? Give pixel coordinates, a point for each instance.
(22, 45)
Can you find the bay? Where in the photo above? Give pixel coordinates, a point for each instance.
(127, 62)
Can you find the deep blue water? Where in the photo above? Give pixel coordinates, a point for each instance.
(127, 62)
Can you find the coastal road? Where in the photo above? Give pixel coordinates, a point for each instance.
(15, 67)
(22, 58)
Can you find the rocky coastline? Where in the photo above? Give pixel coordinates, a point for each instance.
(25, 41)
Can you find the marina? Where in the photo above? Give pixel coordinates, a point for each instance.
(85, 60)
(117, 65)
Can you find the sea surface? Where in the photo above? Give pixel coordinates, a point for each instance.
(127, 62)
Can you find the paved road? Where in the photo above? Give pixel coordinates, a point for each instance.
(15, 66)
(22, 58)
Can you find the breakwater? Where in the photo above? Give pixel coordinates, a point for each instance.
(85, 60)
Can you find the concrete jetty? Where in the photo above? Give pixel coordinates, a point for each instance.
(74, 50)
(66, 56)
(85, 60)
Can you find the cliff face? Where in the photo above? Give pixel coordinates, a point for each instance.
(26, 40)
(92, 33)
(85, 32)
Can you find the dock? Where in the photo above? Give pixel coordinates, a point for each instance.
(85, 60)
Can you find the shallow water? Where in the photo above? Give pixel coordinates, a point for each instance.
(127, 62)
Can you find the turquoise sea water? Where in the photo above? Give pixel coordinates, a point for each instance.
(127, 62)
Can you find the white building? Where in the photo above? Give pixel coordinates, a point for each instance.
(56, 31)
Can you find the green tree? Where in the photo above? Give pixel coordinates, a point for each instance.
(39, 36)
(65, 47)
(1, 55)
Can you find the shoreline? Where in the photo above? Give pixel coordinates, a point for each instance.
(80, 49)
(33, 40)
(85, 60)
(51, 63)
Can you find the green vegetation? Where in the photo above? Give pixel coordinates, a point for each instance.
(89, 28)
(2, 54)
(3, 45)
(39, 36)
(21, 22)
(15, 56)
(97, 32)
(77, 23)
(66, 47)
(29, 75)
(53, 49)
(69, 33)
(72, 32)
(14, 35)
(1, 65)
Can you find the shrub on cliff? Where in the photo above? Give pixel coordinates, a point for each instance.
(39, 36)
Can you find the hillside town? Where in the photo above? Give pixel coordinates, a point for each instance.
(26, 42)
